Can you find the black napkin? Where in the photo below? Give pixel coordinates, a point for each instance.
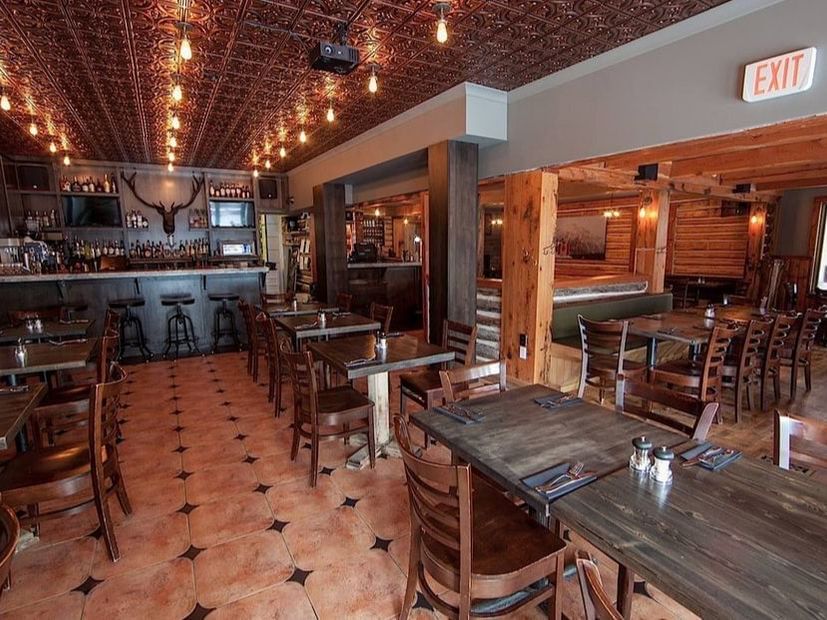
(714, 463)
(565, 485)
(460, 413)
(555, 401)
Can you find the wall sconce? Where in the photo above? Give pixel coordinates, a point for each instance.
(642, 212)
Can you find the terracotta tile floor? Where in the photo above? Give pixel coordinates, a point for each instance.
(224, 523)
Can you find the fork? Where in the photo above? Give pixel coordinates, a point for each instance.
(573, 473)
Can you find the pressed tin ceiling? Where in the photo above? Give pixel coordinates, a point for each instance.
(100, 71)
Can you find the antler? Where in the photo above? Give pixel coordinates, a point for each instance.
(167, 215)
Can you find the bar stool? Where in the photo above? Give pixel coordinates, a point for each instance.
(180, 323)
(223, 313)
(131, 323)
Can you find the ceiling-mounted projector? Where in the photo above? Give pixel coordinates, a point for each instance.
(334, 57)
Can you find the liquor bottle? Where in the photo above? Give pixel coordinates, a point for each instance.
(107, 187)
(99, 185)
(53, 219)
(212, 189)
(75, 185)
(223, 190)
(84, 187)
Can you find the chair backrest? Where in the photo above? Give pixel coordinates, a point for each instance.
(808, 330)
(9, 535)
(440, 505)
(305, 386)
(754, 345)
(383, 314)
(779, 338)
(111, 322)
(606, 339)
(466, 382)
(714, 358)
(276, 298)
(462, 340)
(104, 406)
(249, 319)
(596, 602)
(690, 416)
(344, 301)
(107, 356)
(52, 313)
(811, 447)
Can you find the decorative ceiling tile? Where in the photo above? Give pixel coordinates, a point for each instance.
(96, 75)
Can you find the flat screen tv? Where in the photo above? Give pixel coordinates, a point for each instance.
(91, 211)
(231, 215)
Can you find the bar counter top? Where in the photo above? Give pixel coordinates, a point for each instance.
(384, 265)
(136, 273)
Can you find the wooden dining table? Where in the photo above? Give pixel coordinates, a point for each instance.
(303, 309)
(15, 409)
(43, 357)
(748, 541)
(305, 327)
(403, 352)
(51, 330)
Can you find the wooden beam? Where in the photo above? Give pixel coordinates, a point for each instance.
(805, 152)
(597, 176)
(530, 219)
(651, 236)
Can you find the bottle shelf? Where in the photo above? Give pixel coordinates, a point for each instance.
(84, 194)
(229, 199)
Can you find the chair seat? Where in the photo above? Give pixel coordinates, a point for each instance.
(606, 364)
(223, 297)
(687, 368)
(44, 467)
(65, 394)
(423, 382)
(342, 399)
(174, 300)
(129, 302)
(506, 541)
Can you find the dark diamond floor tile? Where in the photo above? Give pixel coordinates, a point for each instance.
(422, 603)
(187, 508)
(278, 525)
(299, 576)
(349, 502)
(262, 488)
(199, 613)
(87, 586)
(250, 459)
(179, 449)
(191, 553)
(327, 471)
(240, 436)
(184, 475)
(382, 544)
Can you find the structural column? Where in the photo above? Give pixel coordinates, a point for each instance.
(452, 235)
(529, 223)
(649, 240)
(329, 240)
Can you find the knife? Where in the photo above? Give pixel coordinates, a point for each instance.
(711, 451)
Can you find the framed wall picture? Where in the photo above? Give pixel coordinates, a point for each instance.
(581, 237)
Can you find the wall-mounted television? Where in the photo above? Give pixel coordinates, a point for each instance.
(92, 211)
(232, 215)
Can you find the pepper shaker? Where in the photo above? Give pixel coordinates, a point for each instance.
(662, 471)
(322, 318)
(295, 304)
(639, 461)
(20, 353)
(381, 341)
(709, 313)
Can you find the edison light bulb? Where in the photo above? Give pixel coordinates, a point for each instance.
(5, 104)
(177, 92)
(171, 156)
(255, 173)
(302, 137)
(330, 115)
(373, 83)
(282, 152)
(33, 129)
(173, 141)
(267, 164)
(441, 30)
(170, 167)
(52, 147)
(175, 122)
(186, 49)
(66, 160)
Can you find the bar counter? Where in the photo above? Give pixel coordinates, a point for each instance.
(394, 283)
(24, 292)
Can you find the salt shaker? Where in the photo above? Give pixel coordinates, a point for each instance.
(295, 304)
(709, 313)
(639, 461)
(381, 341)
(662, 471)
(20, 352)
(38, 325)
(322, 318)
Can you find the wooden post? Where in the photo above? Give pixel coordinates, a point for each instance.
(650, 238)
(529, 222)
(329, 231)
(452, 234)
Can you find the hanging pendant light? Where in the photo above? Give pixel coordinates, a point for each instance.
(52, 147)
(441, 8)
(373, 82)
(282, 152)
(5, 104)
(302, 136)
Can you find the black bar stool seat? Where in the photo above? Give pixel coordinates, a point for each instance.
(180, 330)
(225, 315)
(131, 329)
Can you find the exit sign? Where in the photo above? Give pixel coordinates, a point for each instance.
(778, 76)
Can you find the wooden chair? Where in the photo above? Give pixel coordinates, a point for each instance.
(9, 535)
(473, 381)
(64, 475)
(473, 542)
(277, 370)
(778, 341)
(596, 602)
(701, 378)
(51, 313)
(801, 353)
(425, 387)
(256, 343)
(382, 314)
(344, 301)
(743, 367)
(603, 348)
(811, 449)
(318, 415)
(66, 408)
(689, 415)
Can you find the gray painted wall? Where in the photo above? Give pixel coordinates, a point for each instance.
(794, 221)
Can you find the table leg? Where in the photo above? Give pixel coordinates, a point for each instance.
(378, 392)
(625, 590)
(20, 440)
(652, 352)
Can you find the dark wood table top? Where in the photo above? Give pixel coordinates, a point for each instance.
(403, 352)
(748, 541)
(15, 409)
(276, 310)
(678, 326)
(46, 357)
(335, 326)
(518, 438)
(52, 330)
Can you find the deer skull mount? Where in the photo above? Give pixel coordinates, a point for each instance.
(167, 211)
